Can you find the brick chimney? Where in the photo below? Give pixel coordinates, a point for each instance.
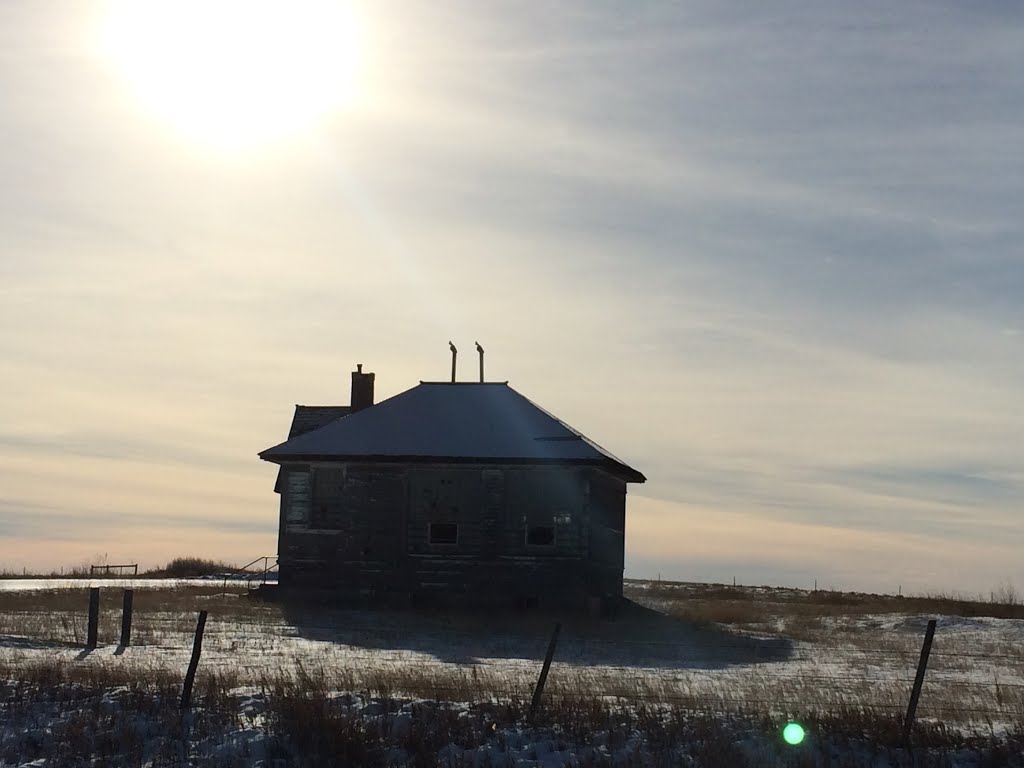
(362, 389)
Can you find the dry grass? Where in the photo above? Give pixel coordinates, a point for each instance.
(303, 719)
(974, 673)
(59, 615)
(750, 605)
(611, 672)
(191, 567)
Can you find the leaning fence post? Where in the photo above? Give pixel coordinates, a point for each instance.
(193, 665)
(92, 635)
(126, 618)
(922, 664)
(539, 690)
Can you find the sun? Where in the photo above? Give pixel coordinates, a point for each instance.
(236, 74)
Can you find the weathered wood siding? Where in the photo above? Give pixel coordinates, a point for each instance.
(352, 535)
(607, 531)
(545, 497)
(365, 529)
(446, 494)
(366, 505)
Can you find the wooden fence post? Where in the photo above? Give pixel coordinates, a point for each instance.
(539, 690)
(193, 665)
(922, 664)
(92, 634)
(126, 618)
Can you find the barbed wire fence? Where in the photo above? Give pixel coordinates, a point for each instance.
(969, 680)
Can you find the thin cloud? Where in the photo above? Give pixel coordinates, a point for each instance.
(768, 256)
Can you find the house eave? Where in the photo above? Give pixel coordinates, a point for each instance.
(623, 471)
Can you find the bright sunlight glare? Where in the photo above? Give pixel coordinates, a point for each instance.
(236, 74)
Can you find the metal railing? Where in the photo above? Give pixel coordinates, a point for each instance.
(257, 572)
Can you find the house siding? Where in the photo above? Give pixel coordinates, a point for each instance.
(363, 530)
(607, 531)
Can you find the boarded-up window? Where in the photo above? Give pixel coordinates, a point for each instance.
(444, 533)
(299, 499)
(540, 536)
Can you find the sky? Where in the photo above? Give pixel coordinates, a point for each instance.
(768, 254)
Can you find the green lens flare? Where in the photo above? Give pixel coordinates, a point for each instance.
(793, 733)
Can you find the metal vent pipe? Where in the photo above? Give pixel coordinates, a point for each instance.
(455, 353)
(481, 351)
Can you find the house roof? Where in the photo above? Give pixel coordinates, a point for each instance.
(451, 422)
(310, 417)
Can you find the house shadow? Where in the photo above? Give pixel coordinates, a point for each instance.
(635, 637)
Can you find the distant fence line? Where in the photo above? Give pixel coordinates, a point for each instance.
(107, 570)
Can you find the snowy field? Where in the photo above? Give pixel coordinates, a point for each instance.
(405, 677)
(46, 585)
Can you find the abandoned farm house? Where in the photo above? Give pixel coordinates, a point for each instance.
(464, 493)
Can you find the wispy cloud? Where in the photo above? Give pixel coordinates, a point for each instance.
(768, 255)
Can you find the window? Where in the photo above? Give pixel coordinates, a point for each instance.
(444, 533)
(300, 498)
(540, 536)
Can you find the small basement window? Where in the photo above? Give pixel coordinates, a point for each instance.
(444, 533)
(540, 536)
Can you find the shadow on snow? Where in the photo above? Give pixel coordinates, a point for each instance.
(636, 636)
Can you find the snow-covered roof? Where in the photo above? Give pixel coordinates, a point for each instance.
(451, 422)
